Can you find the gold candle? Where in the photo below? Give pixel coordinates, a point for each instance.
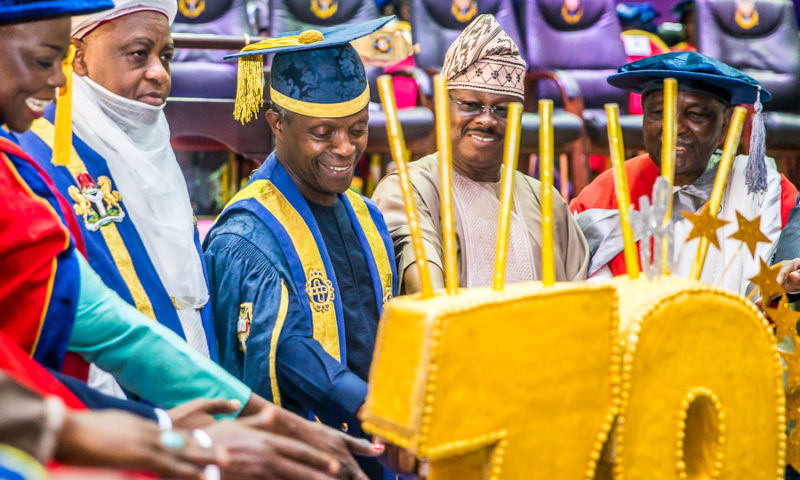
(446, 182)
(621, 184)
(546, 176)
(398, 150)
(669, 138)
(725, 164)
(510, 157)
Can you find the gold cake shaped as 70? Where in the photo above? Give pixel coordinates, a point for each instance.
(526, 383)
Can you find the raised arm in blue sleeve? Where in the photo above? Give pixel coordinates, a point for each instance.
(247, 286)
(789, 241)
(142, 355)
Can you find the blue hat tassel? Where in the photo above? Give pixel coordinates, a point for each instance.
(756, 172)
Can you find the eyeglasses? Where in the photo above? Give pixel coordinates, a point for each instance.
(472, 109)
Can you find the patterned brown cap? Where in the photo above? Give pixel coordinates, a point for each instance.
(486, 59)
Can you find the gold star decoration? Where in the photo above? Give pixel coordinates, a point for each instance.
(793, 367)
(785, 320)
(704, 225)
(767, 281)
(793, 416)
(749, 233)
(786, 326)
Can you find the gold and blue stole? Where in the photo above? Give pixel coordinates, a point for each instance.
(272, 196)
(115, 249)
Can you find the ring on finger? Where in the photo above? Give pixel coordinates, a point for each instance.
(172, 440)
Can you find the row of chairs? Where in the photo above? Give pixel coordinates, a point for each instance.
(571, 47)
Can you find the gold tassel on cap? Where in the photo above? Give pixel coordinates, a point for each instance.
(62, 144)
(250, 77)
(249, 88)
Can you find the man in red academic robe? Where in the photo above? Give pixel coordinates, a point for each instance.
(707, 90)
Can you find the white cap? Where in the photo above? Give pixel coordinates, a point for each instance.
(82, 25)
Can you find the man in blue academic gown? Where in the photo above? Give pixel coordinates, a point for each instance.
(299, 267)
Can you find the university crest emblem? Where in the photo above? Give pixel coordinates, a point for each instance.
(746, 14)
(192, 8)
(324, 8)
(243, 325)
(319, 290)
(96, 202)
(464, 10)
(571, 11)
(383, 44)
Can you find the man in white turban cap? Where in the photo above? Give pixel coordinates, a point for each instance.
(138, 222)
(84, 24)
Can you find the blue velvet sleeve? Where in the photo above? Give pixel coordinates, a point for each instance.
(243, 268)
(96, 400)
(789, 244)
(789, 240)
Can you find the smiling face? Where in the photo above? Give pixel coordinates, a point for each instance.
(702, 120)
(30, 69)
(129, 56)
(477, 139)
(320, 154)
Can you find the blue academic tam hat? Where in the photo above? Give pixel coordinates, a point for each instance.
(696, 72)
(21, 10)
(314, 72)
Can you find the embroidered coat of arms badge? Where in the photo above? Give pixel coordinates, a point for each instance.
(746, 14)
(192, 8)
(571, 11)
(96, 202)
(464, 10)
(243, 324)
(324, 8)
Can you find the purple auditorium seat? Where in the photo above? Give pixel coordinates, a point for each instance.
(572, 47)
(202, 73)
(764, 43)
(436, 24)
(579, 37)
(290, 15)
(200, 107)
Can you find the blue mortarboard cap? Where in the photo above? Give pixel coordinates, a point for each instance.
(701, 72)
(314, 72)
(21, 10)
